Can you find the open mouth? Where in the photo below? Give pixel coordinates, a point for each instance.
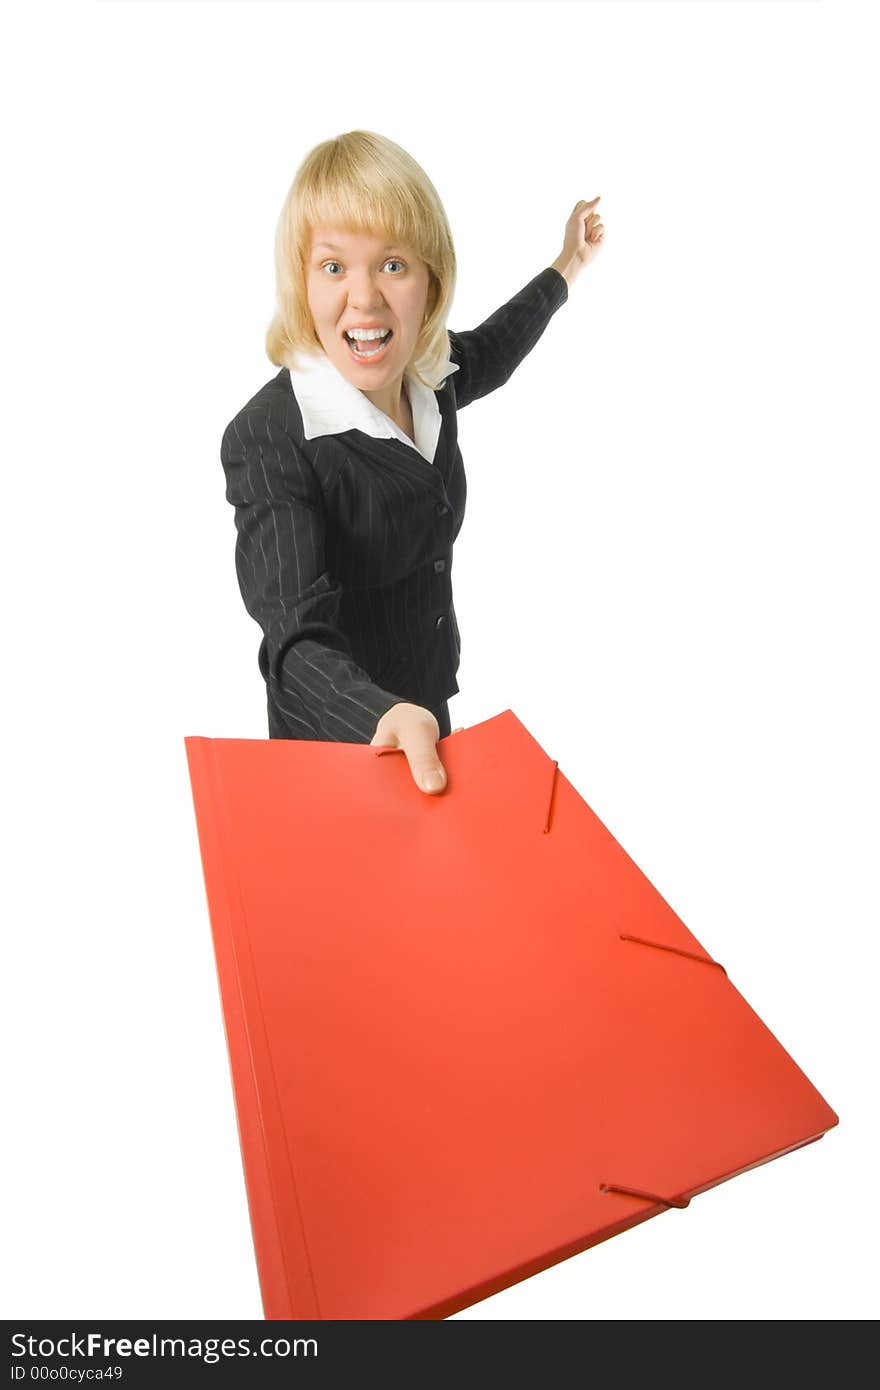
(369, 349)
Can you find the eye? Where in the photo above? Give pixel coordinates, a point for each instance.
(392, 260)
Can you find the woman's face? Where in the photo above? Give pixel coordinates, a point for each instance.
(361, 281)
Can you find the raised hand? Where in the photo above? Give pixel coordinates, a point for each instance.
(584, 235)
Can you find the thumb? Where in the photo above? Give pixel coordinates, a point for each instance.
(424, 764)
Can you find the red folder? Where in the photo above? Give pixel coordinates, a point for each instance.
(467, 1037)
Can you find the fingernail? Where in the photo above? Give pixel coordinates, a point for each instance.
(432, 781)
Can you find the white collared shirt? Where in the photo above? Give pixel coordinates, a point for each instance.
(330, 403)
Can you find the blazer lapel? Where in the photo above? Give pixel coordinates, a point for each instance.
(389, 452)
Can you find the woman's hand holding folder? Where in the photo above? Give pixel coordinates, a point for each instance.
(414, 729)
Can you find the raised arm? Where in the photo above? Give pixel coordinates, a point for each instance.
(279, 560)
(487, 356)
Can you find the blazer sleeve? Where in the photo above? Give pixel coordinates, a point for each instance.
(487, 356)
(279, 560)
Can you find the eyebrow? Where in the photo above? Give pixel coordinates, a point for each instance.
(328, 246)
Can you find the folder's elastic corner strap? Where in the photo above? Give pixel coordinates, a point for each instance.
(546, 830)
(680, 1202)
(677, 950)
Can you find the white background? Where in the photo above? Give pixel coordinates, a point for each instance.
(694, 444)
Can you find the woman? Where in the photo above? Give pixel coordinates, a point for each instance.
(344, 468)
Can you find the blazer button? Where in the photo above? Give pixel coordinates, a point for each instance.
(441, 622)
(439, 566)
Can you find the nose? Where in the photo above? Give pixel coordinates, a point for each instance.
(364, 291)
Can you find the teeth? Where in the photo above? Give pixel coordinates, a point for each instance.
(362, 334)
(364, 351)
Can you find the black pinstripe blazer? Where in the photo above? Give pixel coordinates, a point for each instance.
(344, 542)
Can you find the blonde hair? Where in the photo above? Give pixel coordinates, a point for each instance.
(365, 183)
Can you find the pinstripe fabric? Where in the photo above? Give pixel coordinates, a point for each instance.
(344, 541)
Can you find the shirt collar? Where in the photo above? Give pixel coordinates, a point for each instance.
(330, 403)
